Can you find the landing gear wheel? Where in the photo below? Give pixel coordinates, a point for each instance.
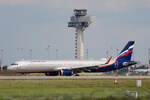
(77, 75)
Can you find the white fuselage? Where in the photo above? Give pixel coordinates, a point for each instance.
(49, 66)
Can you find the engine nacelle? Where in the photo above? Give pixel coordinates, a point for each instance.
(66, 72)
(52, 73)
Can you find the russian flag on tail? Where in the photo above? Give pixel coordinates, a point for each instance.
(126, 53)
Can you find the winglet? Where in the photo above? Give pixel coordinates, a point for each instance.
(108, 60)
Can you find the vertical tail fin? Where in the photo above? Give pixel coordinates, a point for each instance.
(126, 53)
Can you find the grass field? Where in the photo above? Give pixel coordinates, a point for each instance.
(48, 89)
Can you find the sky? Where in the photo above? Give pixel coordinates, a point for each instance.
(27, 27)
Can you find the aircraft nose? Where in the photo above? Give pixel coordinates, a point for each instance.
(11, 68)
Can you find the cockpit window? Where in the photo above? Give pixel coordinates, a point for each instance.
(14, 64)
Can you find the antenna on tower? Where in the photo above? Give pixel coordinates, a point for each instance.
(79, 21)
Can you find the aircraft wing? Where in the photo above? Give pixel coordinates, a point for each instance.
(80, 68)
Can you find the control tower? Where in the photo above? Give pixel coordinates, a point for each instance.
(79, 21)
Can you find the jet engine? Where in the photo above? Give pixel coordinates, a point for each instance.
(63, 72)
(66, 72)
(56, 73)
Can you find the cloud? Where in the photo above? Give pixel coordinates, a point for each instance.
(148, 3)
(95, 5)
(16, 2)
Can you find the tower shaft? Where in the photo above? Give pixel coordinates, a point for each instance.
(79, 44)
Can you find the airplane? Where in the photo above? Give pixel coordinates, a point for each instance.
(73, 67)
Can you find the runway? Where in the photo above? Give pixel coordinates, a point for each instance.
(71, 77)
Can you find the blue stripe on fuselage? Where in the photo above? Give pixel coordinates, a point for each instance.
(108, 68)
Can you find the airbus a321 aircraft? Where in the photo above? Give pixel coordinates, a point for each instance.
(68, 68)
